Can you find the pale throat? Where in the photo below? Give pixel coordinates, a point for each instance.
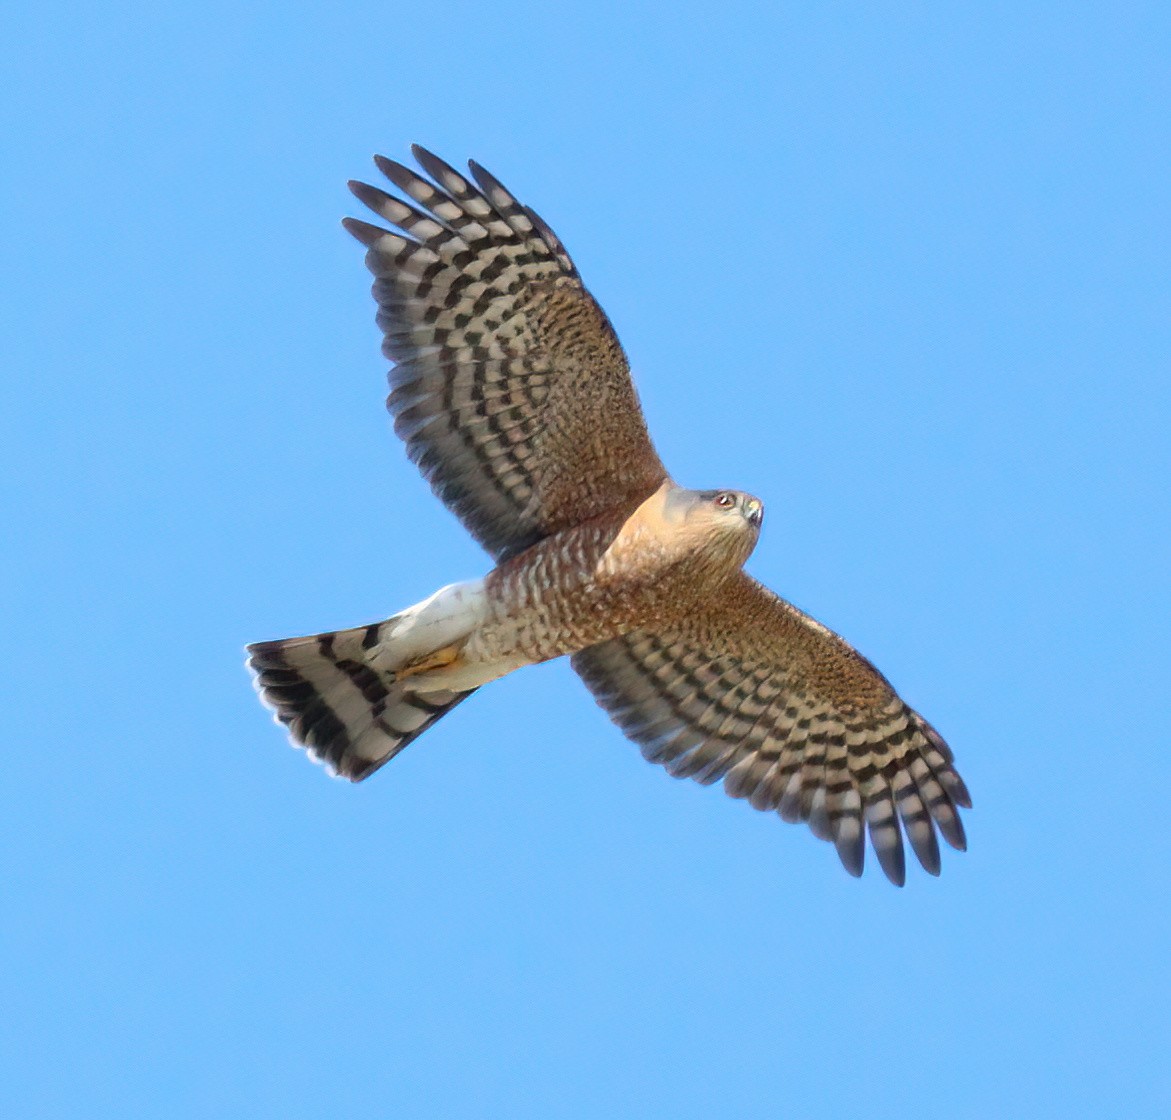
(657, 541)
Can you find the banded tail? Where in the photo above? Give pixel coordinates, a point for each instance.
(355, 698)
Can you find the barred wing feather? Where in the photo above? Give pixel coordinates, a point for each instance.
(792, 718)
(510, 387)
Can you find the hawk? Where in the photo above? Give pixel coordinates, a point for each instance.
(514, 398)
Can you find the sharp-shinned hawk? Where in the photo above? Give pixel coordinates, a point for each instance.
(514, 398)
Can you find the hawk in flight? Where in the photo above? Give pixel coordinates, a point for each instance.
(514, 398)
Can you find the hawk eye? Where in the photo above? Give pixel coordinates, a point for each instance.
(725, 500)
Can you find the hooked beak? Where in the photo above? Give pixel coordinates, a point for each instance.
(754, 511)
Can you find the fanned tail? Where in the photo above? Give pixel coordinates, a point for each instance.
(341, 707)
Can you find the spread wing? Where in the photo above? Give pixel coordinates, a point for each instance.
(792, 718)
(510, 387)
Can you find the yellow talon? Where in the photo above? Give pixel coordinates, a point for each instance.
(440, 659)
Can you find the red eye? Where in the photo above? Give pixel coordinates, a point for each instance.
(725, 500)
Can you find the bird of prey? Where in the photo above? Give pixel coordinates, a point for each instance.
(514, 398)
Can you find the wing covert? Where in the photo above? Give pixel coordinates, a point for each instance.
(510, 387)
(792, 718)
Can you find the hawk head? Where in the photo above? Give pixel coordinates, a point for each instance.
(723, 525)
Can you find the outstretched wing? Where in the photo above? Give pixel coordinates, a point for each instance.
(792, 718)
(510, 387)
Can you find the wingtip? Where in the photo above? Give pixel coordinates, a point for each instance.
(894, 865)
(852, 855)
(363, 231)
(387, 166)
(931, 861)
(927, 851)
(370, 197)
(954, 833)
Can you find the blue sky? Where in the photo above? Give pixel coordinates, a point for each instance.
(900, 269)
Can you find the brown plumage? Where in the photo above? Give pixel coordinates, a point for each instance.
(514, 398)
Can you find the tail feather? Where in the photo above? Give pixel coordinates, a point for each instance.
(346, 712)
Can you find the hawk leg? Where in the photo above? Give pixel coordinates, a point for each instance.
(438, 659)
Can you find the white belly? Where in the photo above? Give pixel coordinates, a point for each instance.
(448, 618)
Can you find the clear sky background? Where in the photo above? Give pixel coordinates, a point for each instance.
(902, 269)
